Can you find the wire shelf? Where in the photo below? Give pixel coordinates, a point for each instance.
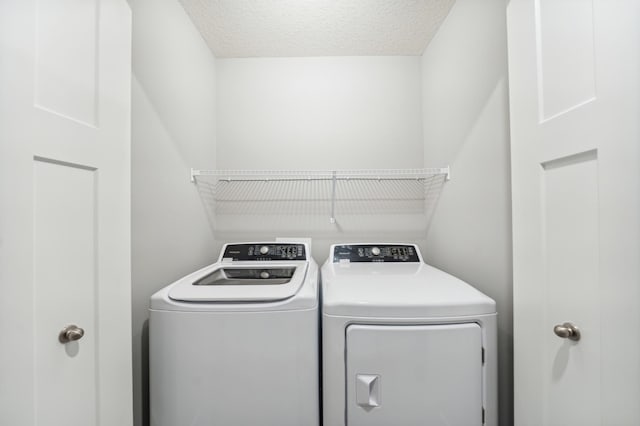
(306, 175)
(258, 195)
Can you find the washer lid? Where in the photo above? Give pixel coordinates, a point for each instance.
(250, 281)
(396, 290)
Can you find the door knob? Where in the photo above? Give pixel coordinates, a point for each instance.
(567, 331)
(70, 333)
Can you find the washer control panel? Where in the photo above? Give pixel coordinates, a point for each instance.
(406, 253)
(264, 251)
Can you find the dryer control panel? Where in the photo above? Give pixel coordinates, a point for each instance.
(264, 251)
(406, 253)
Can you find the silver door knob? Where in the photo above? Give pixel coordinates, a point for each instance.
(567, 331)
(70, 333)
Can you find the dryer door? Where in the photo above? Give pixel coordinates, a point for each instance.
(414, 375)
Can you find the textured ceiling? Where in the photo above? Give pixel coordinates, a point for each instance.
(268, 28)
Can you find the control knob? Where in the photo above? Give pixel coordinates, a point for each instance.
(264, 249)
(375, 251)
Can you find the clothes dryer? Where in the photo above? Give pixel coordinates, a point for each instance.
(404, 343)
(236, 343)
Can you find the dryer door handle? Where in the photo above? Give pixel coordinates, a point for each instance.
(368, 390)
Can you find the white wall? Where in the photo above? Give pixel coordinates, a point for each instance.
(319, 113)
(173, 99)
(466, 125)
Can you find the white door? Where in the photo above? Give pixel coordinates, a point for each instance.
(574, 75)
(64, 212)
(411, 375)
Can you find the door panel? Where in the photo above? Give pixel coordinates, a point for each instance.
(64, 212)
(566, 74)
(67, 58)
(575, 103)
(65, 292)
(570, 221)
(414, 375)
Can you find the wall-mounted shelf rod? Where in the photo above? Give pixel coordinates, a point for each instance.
(320, 175)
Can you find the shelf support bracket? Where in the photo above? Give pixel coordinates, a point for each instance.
(332, 219)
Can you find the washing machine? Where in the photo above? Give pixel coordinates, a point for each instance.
(236, 343)
(404, 343)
